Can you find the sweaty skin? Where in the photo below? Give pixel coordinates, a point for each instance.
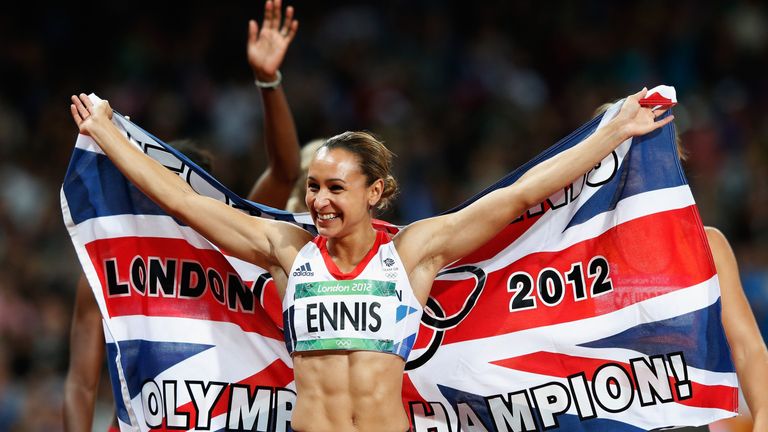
(335, 388)
(348, 391)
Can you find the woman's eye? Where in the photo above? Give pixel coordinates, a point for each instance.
(336, 188)
(313, 187)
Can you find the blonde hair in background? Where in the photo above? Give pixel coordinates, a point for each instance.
(296, 203)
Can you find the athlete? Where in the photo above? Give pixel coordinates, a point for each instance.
(265, 51)
(349, 379)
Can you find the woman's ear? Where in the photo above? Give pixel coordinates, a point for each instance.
(374, 192)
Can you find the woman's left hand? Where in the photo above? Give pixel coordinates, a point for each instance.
(637, 120)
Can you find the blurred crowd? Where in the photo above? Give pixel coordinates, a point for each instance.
(463, 93)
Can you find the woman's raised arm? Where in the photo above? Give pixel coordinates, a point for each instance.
(261, 241)
(436, 242)
(266, 50)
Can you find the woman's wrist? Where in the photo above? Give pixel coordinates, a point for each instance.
(618, 130)
(268, 81)
(102, 131)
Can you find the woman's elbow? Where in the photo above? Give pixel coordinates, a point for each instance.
(181, 206)
(521, 199)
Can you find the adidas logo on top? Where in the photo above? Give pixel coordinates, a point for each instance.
(304, 270)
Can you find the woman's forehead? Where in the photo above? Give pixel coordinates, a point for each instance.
(337, 163)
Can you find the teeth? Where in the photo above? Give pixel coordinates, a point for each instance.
(327, 216)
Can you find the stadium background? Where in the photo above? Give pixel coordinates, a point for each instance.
(462, 92)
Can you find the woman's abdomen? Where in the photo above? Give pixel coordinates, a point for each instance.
(348, 391)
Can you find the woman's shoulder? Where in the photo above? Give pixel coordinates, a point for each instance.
(714, 234)
(718, 243)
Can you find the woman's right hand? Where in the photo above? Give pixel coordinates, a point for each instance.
(87, 115)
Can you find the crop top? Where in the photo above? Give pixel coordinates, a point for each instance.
(372, 308)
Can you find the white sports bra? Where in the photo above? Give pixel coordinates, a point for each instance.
(372, 308)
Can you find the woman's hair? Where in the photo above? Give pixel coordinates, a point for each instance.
(681, 153)
(375, 161)
(203, 158)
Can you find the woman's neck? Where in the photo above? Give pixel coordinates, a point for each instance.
(347, 252)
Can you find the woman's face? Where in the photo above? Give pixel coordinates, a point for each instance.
(337, 196)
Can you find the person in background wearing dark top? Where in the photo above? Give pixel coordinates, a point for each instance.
(266, 50)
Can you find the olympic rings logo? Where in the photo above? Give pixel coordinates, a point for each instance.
(438, 320)
(343, 343)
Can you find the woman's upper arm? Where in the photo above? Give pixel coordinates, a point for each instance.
(738, 320)
(748, 350)
(416, 242)
(444, 239)
(257, 240)
(440, 240)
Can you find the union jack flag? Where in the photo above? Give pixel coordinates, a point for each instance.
(597, 310)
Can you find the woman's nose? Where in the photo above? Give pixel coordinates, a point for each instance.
(321, 199)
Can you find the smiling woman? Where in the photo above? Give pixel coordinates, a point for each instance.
(342, 290)
(362, 160)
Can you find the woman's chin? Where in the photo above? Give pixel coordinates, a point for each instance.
(327, 228)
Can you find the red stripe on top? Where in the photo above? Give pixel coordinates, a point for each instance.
(381, 225)
(322, 244)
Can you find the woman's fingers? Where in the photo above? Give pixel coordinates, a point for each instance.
(276, 14)
(253, 31)
(639, 95)
(75, 114)
(658, 112)
(286, 27)
(268, 7)
(292, 30)
(81, 109)
(653, 123)
(665, 121)
(86, 101)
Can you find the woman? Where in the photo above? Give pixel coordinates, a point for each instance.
(349, 350)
